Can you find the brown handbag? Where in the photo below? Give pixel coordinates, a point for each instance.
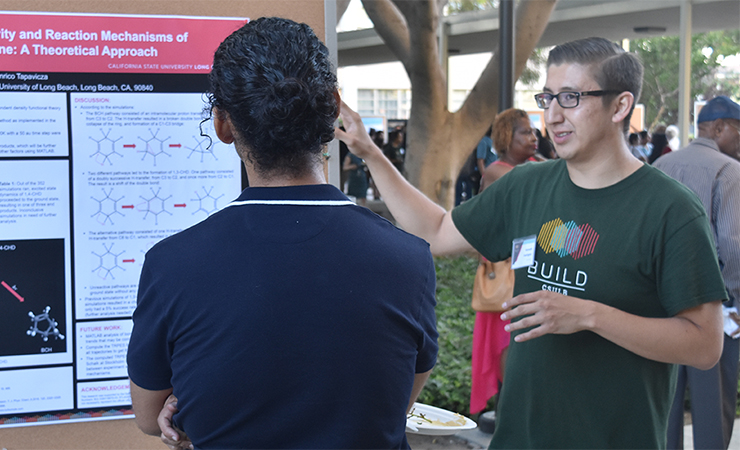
(494, 284)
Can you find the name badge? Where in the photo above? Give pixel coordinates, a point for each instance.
(522, 252)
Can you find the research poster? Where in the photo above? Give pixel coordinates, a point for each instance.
(104, 151)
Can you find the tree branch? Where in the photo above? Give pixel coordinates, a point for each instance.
(423, 67)
(440, 7)
(341, 8)
(391, 26)
(530, 20)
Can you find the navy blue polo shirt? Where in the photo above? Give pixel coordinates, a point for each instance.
(290, 319)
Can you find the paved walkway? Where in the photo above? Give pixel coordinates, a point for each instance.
(479, 440)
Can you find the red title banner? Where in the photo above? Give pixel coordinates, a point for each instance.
(110, 44)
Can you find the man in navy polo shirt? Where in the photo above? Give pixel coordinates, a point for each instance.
(292, 318)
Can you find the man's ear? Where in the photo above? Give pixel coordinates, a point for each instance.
(718, 126)
(222, 125)
(623, 106)
(338, 99)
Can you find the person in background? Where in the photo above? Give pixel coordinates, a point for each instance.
(394, 150)
(379, 138)
(704, 167)
(645, 142)
(516, 140)
(602, 309)
(671, 133)
(659, 144)
(544, 145)
(356, 178)
(343, 152)
(467, 184)
(292, 318)
(485, 153)
(637, 150)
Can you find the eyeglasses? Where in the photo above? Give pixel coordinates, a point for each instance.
(567, 99)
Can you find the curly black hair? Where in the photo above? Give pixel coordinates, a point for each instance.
(274, 80)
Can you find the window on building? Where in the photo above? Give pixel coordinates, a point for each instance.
(404, 107)
(391, 103)
(366, 102)
(388, 103)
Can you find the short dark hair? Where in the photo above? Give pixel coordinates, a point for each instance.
(274, 79)
(634, 139)
(393, 135)
(613, 68)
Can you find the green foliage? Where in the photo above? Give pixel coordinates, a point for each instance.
(535, 65)
(660, 83)
(449, 385)
(458, 6)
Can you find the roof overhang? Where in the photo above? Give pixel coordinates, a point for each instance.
(477, 32)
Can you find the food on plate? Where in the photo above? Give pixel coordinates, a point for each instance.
(422, 419)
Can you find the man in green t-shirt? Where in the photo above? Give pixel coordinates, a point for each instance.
(613, 287)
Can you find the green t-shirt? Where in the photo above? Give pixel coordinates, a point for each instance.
(643, 246)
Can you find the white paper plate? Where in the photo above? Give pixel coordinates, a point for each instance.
(433, 421)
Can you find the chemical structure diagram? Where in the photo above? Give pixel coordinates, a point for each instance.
(153, 148)
(106, 148)
(208, 203)
(107, 206)
(107, 262)
(203, 146)
(44, 325)
(153, 205)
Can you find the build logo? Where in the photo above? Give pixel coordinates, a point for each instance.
(567, 238)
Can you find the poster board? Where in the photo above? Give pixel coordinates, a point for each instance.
(85, 220)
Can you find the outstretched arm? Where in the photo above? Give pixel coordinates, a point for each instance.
(414, 212)
(692, 337)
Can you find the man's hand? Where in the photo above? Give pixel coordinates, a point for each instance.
(355, 135)
(549, 313)
(692, 337)
(174, 438)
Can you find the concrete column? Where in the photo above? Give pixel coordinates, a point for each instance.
(333, 164)
(506, 54)
(684, 74)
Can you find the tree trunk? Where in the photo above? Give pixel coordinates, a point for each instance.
(439, 142)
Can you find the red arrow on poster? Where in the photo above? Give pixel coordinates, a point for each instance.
(127, 206)
(175, 145)
(129, 145)
(180, 205)
(128, 260)
(12, 291)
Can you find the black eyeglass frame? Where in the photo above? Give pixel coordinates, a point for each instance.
(545, 95)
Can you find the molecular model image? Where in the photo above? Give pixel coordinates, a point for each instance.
(44, 325)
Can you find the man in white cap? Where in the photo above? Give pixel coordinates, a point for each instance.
(706, 167)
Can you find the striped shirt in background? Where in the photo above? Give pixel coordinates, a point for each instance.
(715, 178)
